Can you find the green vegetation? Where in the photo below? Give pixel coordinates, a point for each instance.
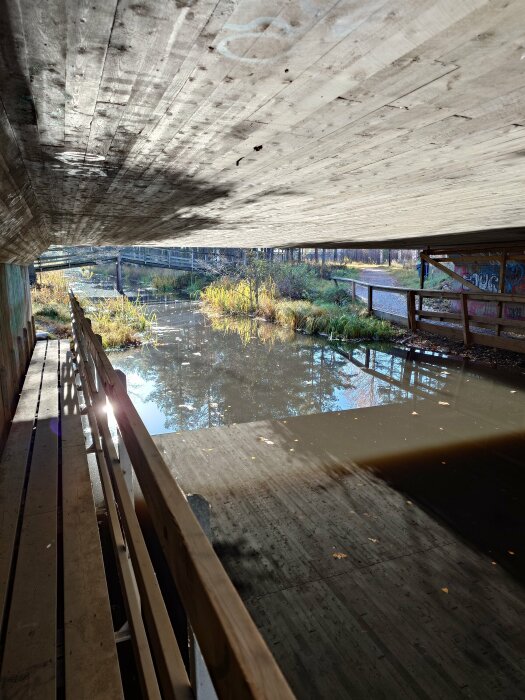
(119, 321)
(187, 284)
(50, 301)
(296, 297)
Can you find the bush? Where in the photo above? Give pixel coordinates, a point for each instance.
(294, 281)
(120, 321)
(335, 295)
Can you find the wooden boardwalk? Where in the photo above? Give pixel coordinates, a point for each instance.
(379, 550)
(57, 636)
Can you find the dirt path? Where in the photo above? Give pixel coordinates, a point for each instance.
(385, 301)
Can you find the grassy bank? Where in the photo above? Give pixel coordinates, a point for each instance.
(120, 322)
(298, 299)
(50, 300)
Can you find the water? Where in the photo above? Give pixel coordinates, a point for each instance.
(448, 438)
(210, 372)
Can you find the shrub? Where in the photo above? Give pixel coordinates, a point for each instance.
(294, 281)
(335, 295)
(120, 321)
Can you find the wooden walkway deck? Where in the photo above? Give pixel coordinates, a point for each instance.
(380, 551)
(57, 636)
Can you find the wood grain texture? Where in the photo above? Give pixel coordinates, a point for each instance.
(89, 640)
(29, 661)
(339, 532)
(380, 123)
(13, 467)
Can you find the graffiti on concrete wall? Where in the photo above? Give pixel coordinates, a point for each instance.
(486, 277)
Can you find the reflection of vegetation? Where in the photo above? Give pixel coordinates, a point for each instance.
(121, 322)
(229, 381)
(250, 328)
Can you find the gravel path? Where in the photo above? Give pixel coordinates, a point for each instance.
(385, 301)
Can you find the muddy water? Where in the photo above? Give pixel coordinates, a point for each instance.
(210, 372)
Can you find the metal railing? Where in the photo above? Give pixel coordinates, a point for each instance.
(236, 657)
(456, 324)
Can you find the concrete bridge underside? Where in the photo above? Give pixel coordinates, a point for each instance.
(251, 123)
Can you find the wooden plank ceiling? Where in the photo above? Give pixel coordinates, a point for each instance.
(260, 122)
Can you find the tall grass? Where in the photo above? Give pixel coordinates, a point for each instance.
(50, 301)
(339, 322)
(119, 321)
(122, 322)
(240, 297)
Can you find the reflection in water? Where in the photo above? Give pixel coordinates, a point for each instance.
(206, 373)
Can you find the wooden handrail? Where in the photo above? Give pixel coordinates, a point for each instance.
(445, 294)
(415, 315)
(239, 662)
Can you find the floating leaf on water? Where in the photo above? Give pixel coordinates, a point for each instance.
(443, 403)
(373, 539)
(445, 589)
(339, 555)
(510, 551)
(265, 440)
(415, 413)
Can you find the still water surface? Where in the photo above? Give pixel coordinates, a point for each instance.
(210, 372)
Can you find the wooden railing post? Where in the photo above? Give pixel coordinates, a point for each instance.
(464, 318)
(199, 675)
(353, 290)
(411, 310)
(125, 462)
(370, 308)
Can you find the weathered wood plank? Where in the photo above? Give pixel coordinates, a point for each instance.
(29, 662)
(13, 468)
(89, 640)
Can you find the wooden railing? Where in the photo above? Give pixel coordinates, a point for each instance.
(236, 657)
(455, 324)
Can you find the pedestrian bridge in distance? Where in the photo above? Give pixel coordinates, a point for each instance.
(169, 258)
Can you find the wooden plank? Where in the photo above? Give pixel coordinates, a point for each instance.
(89, 640)
(411, 310)
(29, 663)
(479, 338)
(145, 666)
(173, 678)
(465, 318)
(13, 468)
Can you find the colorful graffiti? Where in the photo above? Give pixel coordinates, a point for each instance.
(486, 277)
